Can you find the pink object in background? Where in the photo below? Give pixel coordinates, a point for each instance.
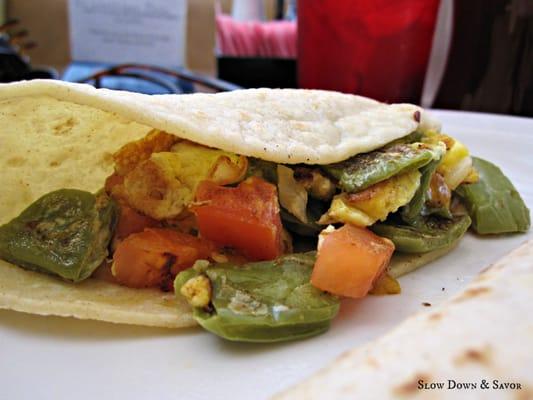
(275, 39)
(375, 48)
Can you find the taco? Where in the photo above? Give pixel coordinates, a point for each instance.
(111, 200)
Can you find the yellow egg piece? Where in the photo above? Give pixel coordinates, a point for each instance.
(374, 203)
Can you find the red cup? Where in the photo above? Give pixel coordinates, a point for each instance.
(374, 48)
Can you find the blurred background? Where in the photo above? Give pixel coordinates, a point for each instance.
(460, 54)
(48, 23)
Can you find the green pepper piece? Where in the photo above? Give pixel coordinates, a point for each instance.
(415, 136)
(404, 263)
(65, 233)
(364, 170)
(493, 203)
(432, 234)
(267, 301)
(412, 212)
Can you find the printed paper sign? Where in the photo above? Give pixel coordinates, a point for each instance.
(128, 31)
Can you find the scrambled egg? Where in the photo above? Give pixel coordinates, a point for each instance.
(163, 183)
(197, 291)
(195, 161)
(340, 211)
(455, 165)
(374, 203)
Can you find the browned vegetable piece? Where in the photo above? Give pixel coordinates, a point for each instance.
(439, 194)
(386, 284)
(133, 153)
(152, 258)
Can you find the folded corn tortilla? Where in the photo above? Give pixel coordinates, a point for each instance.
(57, 135)
(483, 333)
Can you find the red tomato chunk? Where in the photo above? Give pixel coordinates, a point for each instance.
(245, 217)
(350, 260)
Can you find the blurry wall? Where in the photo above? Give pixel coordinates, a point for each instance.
(48, 26)
(2, 10)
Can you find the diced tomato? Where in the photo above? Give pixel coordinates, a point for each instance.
(131, 221)
(153, 258)
(349, 261)
(245, 217)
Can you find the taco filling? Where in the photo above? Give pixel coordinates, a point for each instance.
(264, 250)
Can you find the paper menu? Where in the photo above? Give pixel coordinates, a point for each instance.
(128, 31)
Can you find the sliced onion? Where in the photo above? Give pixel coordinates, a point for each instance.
(292, 195)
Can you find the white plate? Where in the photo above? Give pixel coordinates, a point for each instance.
(56, 358)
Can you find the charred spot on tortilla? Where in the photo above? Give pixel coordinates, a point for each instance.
(485, 273)
(472, 292)
(435, 316)
(65, 126)
(410, 386)
(371, 361)
(345, 356)
(481, 355)
(526, 393)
